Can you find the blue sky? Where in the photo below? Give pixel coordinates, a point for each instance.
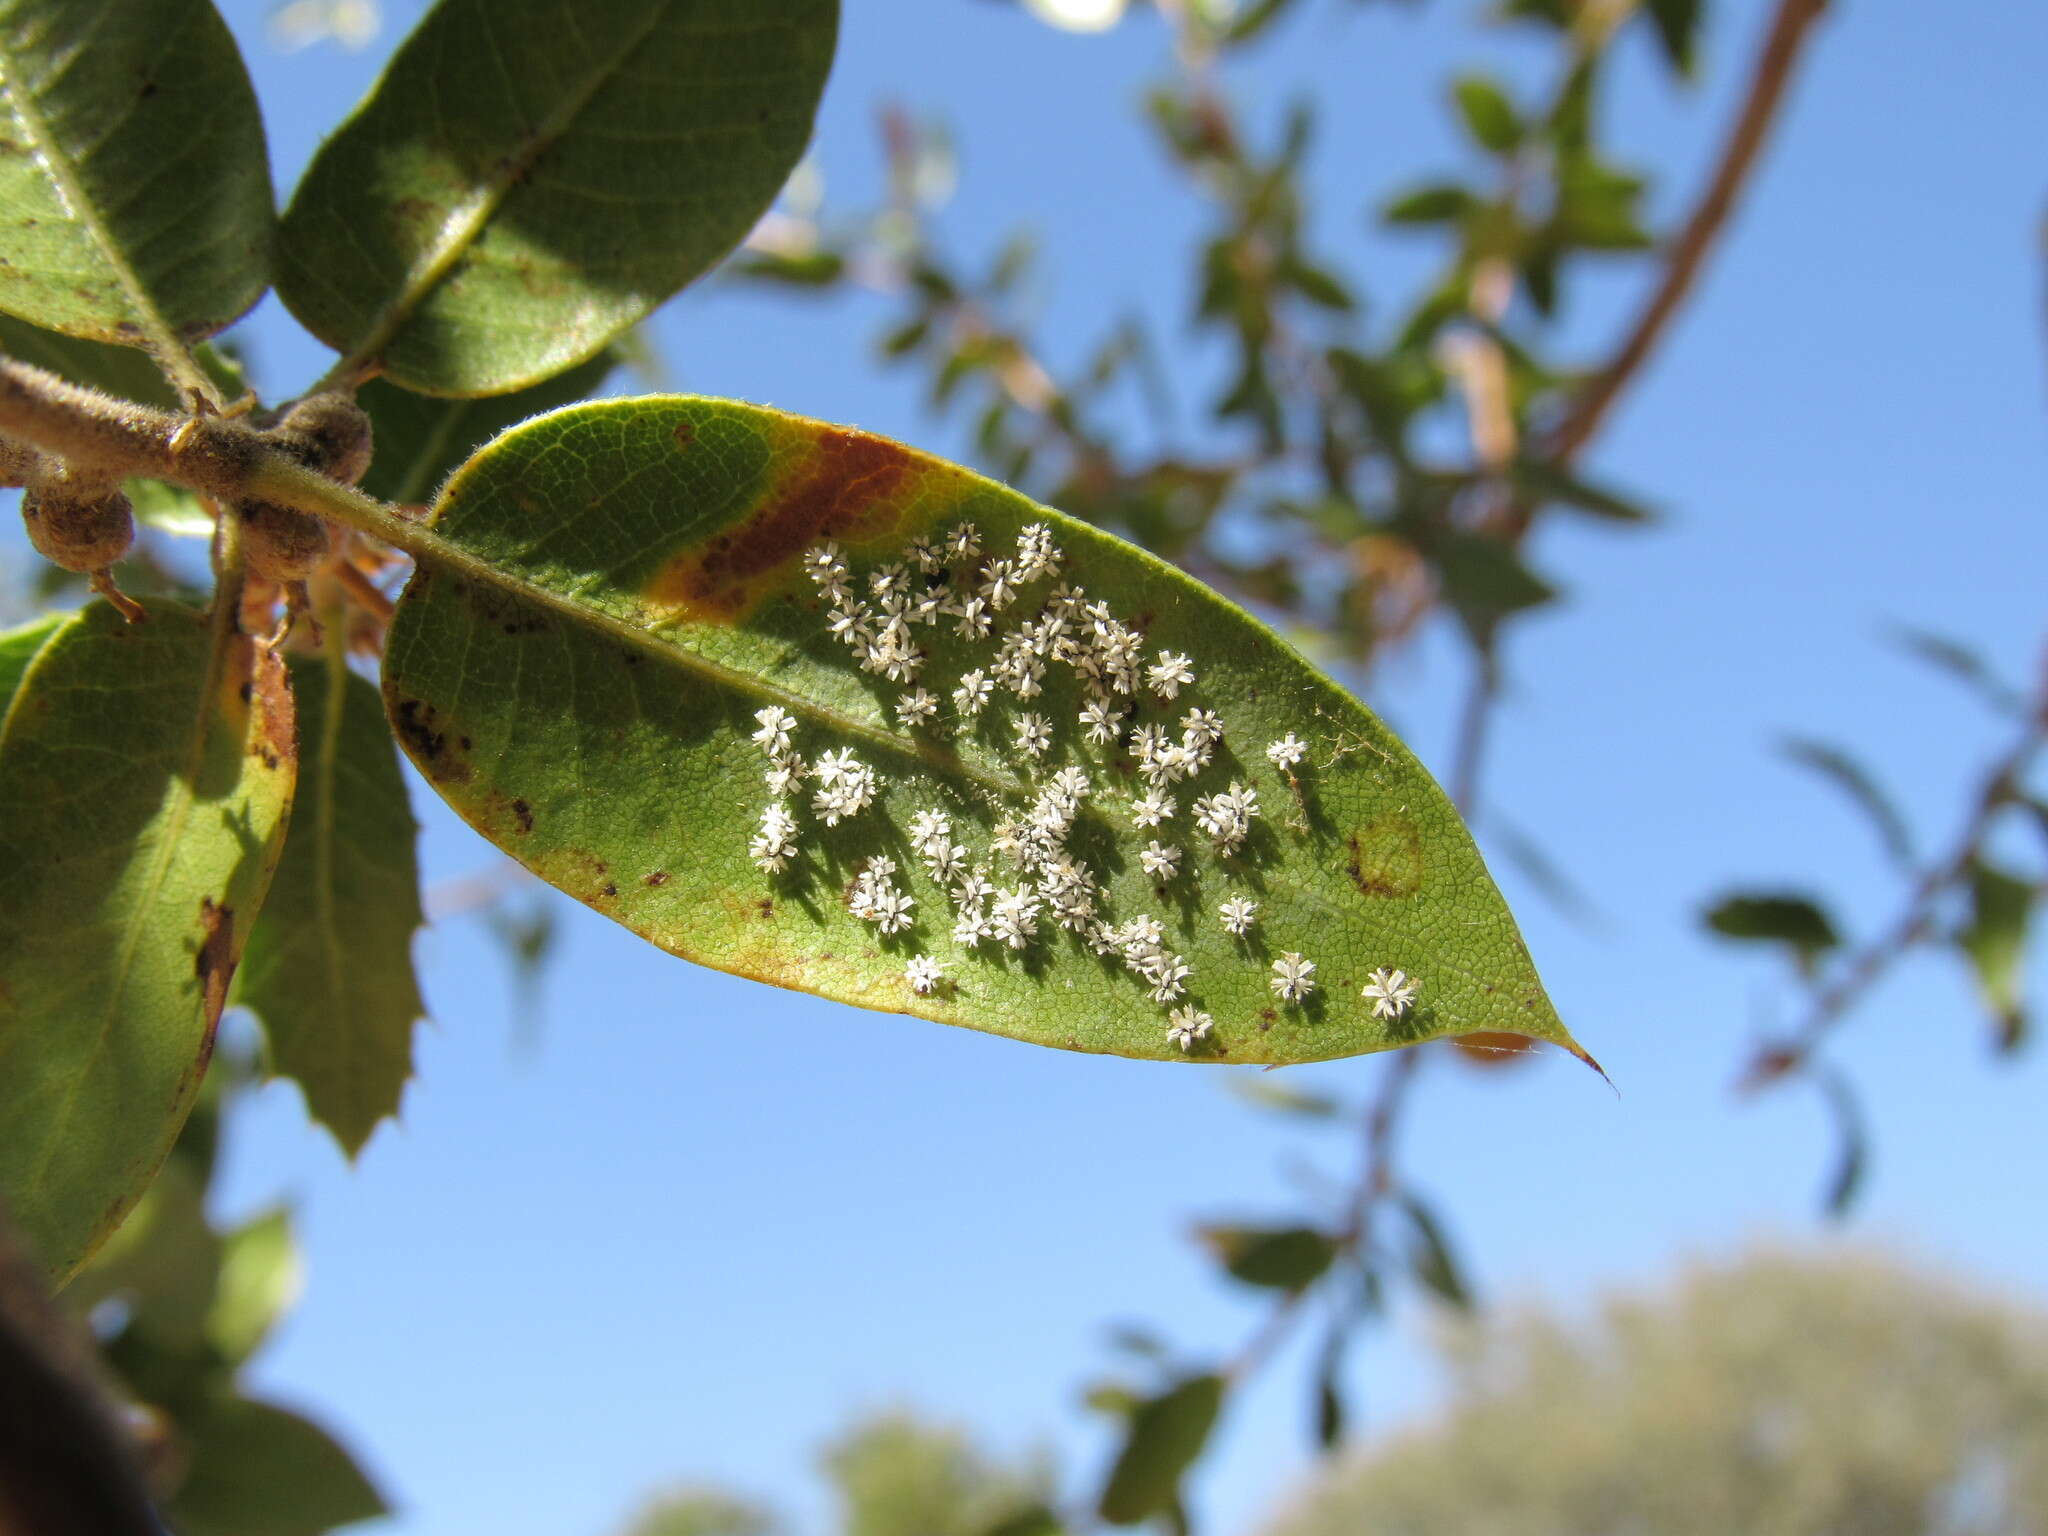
(698, 1223)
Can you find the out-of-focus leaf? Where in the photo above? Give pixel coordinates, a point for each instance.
(1037, 1520)
(1330, 1410)
(620, 594)
(260, 1276)
(421, 439)
(1317, 285)
(121, 371)
(261, 1470)
(1265, 1091)
(329, 968)
(1963, 664)
(530, 177)
(1487, 113)
(1543, 482)
(1278, 1258)
(1166, 1434)
(1775, 918)
(145, 772)
(164, 1260)
(1439, 203)
(1995, 939)
(1484, 578)
(169, 509)
(1431, 1259)
(1677, 23)
(1250, 20)
(1852, 1155)
(1836, 765)
(812, 269)
(136, 182)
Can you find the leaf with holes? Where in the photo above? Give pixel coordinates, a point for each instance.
(329, 968)
(135, 198)
(145, 773)
(530, 177)
(1095, 807)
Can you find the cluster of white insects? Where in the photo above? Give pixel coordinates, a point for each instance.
(946, 581)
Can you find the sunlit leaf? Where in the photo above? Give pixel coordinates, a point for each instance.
(619, 594)
(1277, 1258)
(145, 772)
(260, 1470)
(135, 201)
(329, 968)
(1995, 939)
(1166, 1434)
(530, 177)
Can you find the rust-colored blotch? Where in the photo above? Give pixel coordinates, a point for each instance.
(846, 489)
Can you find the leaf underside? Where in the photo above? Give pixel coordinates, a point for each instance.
(135, 199)
(530, 177)
(581, 682)
(145, 774)
(329, 965)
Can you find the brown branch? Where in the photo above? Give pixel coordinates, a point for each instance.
(1760, 108)
(1374, 1183)
(1916, 920)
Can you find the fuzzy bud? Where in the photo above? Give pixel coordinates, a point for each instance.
(327, 432)
(283, 545)
(81, 523)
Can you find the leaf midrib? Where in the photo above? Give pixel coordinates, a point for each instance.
(164, 343)
(465, 222)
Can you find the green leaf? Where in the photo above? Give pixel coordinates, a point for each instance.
(145, 772)
(1995, 939)
(1263, 1092)
(1834, 764)
(1434, 204)
(608, 596)
(260, 1470)
(20, 646)
(1431, 1259)
(1487, 114)
(421, 440)
(329, 967)
(135, 198)
(1852, 1156)
(1678, 24)
(121, 371)
(164, 1260)
(1769, 917)
(1277, 1258)
(1965, 665)
(1546, 482)
(530, 177)
(1167, 1433)
(260, 1277)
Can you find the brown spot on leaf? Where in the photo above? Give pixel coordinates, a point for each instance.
(655, 880)
(765, 907)
(414, 721)
(685, 433)
(610, 889)
(214, 965)
(1386, 856)
(524, 812)
(845, 490)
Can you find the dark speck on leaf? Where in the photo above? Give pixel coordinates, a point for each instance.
(610, 889)
(248, 692)
(685, 433)
(655, 880)
(525, 814)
